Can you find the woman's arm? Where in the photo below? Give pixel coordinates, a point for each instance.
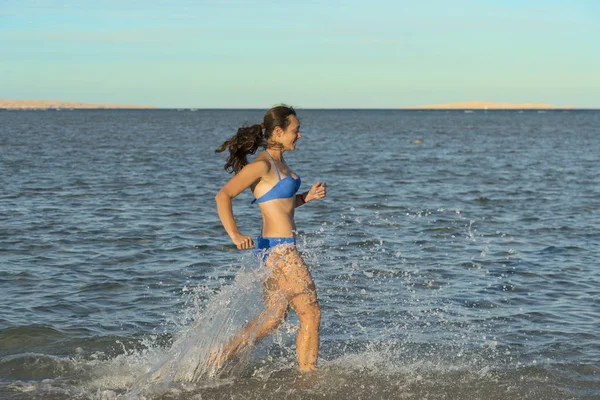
(300, 199)
(236, 185)
(316, 192)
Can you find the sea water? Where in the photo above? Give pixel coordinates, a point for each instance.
(462, 267)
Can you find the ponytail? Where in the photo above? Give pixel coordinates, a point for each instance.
(246, 141)
(249, 138)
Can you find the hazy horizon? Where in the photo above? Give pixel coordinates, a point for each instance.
(52, 104)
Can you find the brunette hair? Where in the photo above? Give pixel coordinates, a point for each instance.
(249, 138)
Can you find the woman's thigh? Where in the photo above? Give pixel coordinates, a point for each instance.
(289, 275)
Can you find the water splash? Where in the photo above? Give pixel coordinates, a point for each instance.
(195, 350)
(445, 327)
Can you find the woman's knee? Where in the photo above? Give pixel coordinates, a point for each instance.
(270, 320)
(316, 313)
(309, 314)
(273, 323)
(278, 317)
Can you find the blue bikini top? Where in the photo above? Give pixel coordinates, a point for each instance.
(284, 189)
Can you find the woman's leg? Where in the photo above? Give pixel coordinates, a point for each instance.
(307, 341)
(270, 318)
(295, 281)
(289, 282)
(274, 313)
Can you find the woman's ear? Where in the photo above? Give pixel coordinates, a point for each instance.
(277, 131)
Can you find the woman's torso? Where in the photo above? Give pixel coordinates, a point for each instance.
(278, 213)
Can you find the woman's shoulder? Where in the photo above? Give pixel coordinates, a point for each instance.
(257, 168)
(253, 172)
(261, 161)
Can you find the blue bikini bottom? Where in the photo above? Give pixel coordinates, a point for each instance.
(265, 244)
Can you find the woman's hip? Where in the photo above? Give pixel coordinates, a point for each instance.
(266, 245)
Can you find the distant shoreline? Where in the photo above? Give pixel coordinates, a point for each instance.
(187, 109)
(464, 106)
(68, 105)
(488, 105)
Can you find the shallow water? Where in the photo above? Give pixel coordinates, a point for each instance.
(464, 267)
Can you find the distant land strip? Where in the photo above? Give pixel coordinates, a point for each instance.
(488, 105)
(53, 104)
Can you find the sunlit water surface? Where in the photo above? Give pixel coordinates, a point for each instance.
(464, 267)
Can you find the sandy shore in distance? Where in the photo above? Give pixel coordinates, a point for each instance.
(483, 105)
(46, 104)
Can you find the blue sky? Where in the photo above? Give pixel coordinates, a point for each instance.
(321, 54)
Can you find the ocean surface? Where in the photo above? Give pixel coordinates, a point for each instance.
(465, 267)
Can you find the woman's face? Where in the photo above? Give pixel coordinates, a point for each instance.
(287, 139)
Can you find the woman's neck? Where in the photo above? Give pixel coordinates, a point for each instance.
(275, 152)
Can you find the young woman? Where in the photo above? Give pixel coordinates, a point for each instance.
(276, 191)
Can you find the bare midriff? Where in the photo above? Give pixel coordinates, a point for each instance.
(278, 217)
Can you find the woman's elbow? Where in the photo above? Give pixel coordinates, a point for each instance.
(220, 196)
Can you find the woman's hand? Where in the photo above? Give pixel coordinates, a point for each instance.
(317, 192)
(243, 242)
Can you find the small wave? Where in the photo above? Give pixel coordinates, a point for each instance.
(35, 366)
(560, 250)
(482, 200)
(102, 286)
(15, 337)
